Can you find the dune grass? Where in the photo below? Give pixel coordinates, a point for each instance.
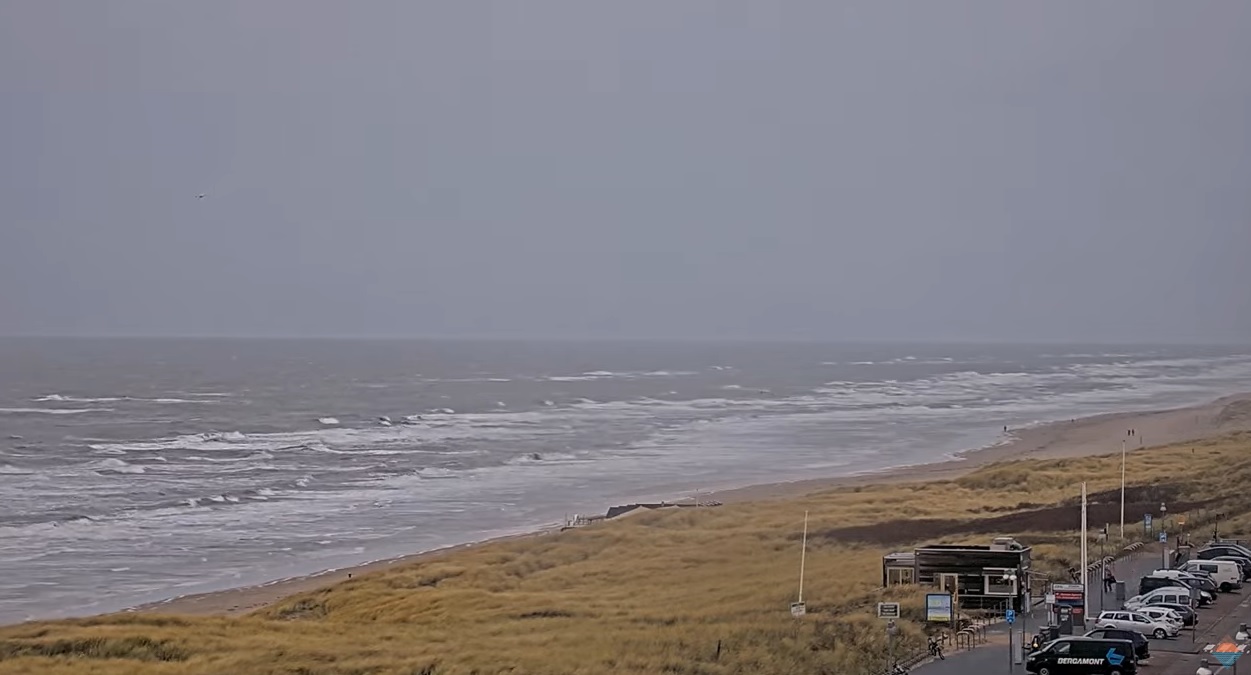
(691, 591)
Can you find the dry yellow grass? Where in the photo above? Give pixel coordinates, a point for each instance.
(650, 594)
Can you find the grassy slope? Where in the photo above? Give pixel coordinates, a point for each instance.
(653, 593)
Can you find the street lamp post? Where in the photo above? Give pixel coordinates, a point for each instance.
(1009, 578)
(1122, 489)
(1164, 530)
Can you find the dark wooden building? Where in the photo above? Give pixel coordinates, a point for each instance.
(981, 577)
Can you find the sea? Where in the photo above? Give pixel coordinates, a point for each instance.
(137, 470)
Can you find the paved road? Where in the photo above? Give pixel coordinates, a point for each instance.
(993, 657)
(1182, 656)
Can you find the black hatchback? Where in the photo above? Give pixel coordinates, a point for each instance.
(1142, 646)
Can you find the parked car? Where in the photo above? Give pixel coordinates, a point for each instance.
(1188, 615)
(1129, 620)
(1083, 656)
(1242, 564)
(1157, 613)
(1151, 583)
(1213, 552)
(1142, 646)
(1232, 543)
(1191, 578)
(1226, 574)
(1174, 595)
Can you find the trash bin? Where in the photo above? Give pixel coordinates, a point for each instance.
(1120, 591)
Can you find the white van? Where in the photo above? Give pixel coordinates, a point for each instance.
(1175, 596)
(1226, 573)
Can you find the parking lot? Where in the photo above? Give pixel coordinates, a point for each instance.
(1169, 656)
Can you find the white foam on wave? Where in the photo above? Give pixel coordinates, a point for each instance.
(53, 411)
(544, 457)
(469, 379)
(608, 374)
(10, 470)
(116, 466)
(328, 421)
(61, 398)
(254, 457)
(436, 472)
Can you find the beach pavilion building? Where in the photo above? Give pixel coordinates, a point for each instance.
(979, 577)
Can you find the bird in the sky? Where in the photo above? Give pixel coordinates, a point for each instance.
(199, 196)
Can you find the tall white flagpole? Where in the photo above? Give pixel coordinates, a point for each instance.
(1122, 489)
(1085, 576)
(802, 558)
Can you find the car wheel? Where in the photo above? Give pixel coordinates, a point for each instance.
(1227, 587)
(1114, 672)
(1044, 671)
(1160, 633)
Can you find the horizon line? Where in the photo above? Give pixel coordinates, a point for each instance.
(633, 338)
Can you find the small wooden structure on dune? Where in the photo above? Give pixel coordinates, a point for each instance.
(627, 509)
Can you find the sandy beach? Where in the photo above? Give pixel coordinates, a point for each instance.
(1096, 435)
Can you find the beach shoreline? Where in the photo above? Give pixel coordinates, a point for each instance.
(1080, 437)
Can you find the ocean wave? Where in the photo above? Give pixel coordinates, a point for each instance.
(10, 470)
(608, 374)
(543, 457)
(53, 411)
(469, 379)
(61, 398)
(113, 465)
(328, 421)
(255, 457)
(436, 472)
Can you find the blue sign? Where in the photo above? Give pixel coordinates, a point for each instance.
(1010, 616)
(1163, 538)
(1114, 658)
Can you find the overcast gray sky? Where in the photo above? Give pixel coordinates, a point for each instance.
(1060, 170)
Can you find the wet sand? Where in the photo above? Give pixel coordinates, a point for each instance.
(1097, 435)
